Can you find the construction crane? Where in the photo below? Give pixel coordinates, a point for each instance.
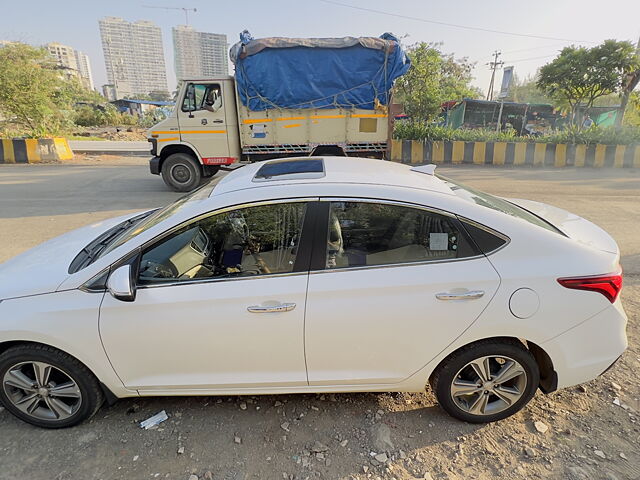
(184, 9)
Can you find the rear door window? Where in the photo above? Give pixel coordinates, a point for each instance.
(362, 233)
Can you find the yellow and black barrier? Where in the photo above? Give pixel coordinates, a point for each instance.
(515, 153)
(34, 150)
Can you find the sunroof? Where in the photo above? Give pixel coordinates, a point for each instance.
(299, 168)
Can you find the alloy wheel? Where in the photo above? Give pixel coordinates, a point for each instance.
(488, 385)
(42, 391)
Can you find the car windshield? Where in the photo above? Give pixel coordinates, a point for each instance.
(496, 203)
(160, 215)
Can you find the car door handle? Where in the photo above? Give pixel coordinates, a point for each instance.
(217, 121)
(470, 295)
(281, 307)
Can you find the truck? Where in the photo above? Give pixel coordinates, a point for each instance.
(287, 97)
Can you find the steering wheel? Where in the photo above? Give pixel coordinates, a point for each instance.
(153, 269)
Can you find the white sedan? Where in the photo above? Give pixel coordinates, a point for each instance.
(322, 274)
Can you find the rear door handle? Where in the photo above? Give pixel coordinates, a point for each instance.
(281, 307)
(470, 295)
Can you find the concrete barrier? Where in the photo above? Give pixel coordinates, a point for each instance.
(34, 150)
(515, 153)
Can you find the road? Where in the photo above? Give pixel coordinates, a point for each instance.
(38, 202)
(111, 146)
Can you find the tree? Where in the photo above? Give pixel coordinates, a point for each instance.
(632, 115)
(580, 75)
(434, 78)
(527, 91)
(34, 97)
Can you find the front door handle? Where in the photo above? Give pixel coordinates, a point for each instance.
(470, 295)
(280, 307)
(217, 121)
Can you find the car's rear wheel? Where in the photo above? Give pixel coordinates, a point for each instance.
(46, 387)
(486, 381)
(181, 172)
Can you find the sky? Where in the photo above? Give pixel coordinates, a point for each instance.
(542, 28)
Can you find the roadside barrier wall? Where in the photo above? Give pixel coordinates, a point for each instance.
(515, 153)
(34, 150)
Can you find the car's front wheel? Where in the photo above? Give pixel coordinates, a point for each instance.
(46, 387)
(486, 381)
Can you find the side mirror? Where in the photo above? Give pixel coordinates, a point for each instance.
(120, 284)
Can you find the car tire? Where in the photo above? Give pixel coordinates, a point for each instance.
(71, 394)
(181, 172)
(486, 381)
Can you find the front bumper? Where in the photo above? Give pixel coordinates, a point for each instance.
(588, 350)
(154, 165)
(154, 146)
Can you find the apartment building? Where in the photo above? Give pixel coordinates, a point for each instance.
(134, 56)
(199, 54)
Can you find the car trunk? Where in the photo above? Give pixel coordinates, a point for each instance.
(573, 226)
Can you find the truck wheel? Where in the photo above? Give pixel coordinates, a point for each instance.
(211, 170)
(181, 172)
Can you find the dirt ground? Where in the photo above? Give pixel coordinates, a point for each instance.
(581, 433)
(123, 133)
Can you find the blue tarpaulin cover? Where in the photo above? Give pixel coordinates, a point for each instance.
(295, 73)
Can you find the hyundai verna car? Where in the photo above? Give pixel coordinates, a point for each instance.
(322, 274)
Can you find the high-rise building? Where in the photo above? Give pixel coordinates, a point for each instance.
(84, 68)
(199, 54)
(74, 64)
(133, 56)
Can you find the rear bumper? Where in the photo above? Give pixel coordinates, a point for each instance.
(589, 349)
(154, 165)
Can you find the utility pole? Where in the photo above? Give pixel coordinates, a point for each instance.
(494, 66)
(631, 81)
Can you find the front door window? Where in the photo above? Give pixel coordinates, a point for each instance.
(250, 241)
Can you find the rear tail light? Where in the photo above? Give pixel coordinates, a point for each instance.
(608, 285)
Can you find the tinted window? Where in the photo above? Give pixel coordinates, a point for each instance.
(287, 167)
(486, 241)
(250, 241)
(496, 203)
(364, 234)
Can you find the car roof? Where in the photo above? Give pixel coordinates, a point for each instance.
(337, 170)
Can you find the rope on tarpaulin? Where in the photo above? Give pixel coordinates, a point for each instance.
(335, 103)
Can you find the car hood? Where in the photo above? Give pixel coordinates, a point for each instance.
(572, 225)
(43, 268)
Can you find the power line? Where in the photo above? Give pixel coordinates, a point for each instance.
(466, 27)
(527, 59)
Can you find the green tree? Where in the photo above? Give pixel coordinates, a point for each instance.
(34, 97)
(527, 91)
(579, 75)
(434, 78)
(632, 113)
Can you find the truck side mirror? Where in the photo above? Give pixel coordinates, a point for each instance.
(190, 97)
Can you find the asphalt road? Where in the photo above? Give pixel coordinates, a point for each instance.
(243, 438)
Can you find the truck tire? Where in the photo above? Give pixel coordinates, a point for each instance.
(210, 170)
(181, 172)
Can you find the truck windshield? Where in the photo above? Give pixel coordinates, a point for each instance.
(496, 203)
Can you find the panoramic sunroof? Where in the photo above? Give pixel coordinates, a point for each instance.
(295, 168)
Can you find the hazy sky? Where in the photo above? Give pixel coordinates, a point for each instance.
(75, 23)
